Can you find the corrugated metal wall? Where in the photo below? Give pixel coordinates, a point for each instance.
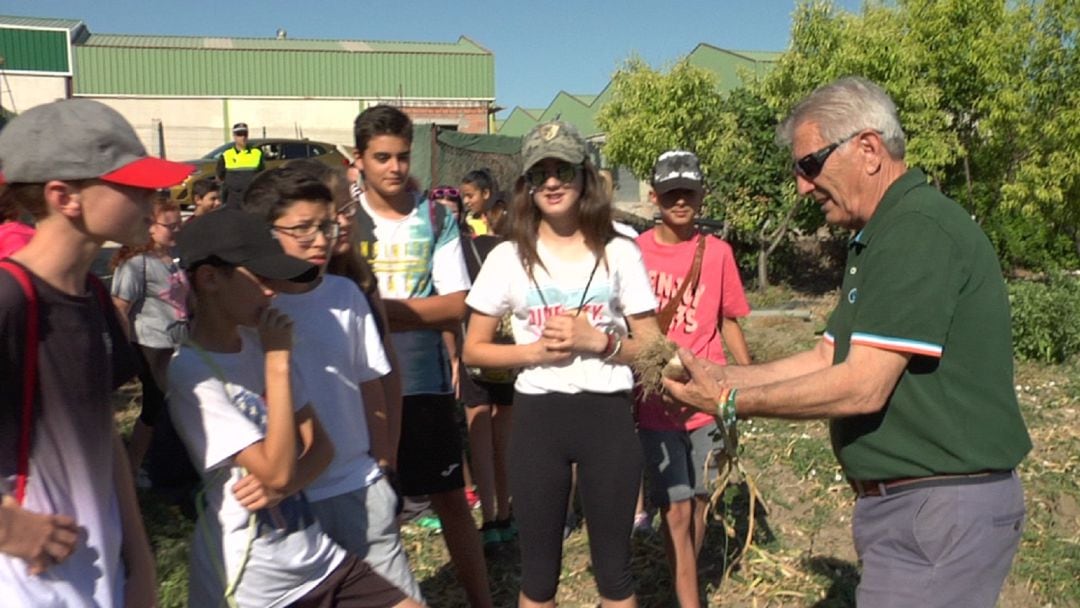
(199, 72)
(34, 50)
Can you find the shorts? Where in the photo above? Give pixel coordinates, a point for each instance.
(353, 584)
(364, 523)
(481, 392)
(429, 455)
(675, 463)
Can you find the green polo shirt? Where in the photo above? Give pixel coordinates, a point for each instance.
(923, 279)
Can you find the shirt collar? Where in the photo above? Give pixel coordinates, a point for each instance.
(907, 182)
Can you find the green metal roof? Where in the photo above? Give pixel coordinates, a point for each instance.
(519, 122)
(730, 65)
(462, 46)
(34, 50)
(67, 24)
(581, 110)
(269, 67)
(568, 108)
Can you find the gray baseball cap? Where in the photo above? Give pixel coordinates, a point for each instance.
(677, 169)
(74, 139)
(555, 139)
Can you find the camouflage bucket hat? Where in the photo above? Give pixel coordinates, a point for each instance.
(554, 139)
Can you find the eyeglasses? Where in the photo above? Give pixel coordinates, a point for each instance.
(171, 227)
(445, 193)
(348, 210)
(305, 234)
(564, 172)
(810, 166)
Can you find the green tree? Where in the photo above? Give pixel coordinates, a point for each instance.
(651, 112)
(987, 92)
(749, 179)
(1043, 149)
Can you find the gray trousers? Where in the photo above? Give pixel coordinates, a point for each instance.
(948, 545)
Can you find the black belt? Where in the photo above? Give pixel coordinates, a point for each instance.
(885, 487)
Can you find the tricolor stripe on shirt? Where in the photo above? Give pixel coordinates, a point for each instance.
(903, 345)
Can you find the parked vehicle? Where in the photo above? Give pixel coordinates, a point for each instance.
(275, 152)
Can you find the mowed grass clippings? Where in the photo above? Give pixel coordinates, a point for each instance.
(802, 553)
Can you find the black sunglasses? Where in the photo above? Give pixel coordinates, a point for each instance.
(564, 172)
(810, 166)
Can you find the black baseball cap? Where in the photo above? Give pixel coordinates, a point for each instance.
(240, 239)
(240, 128)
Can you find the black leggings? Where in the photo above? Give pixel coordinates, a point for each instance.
(550, 432)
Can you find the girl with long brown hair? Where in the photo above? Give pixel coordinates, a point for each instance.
(581, 305)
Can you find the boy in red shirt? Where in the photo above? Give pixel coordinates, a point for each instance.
(678, 446)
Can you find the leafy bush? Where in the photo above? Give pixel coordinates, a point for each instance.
(1046, 318)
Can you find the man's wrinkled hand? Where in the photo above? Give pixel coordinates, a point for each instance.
(703, 388)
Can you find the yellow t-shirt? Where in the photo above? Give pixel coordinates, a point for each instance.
(478, 225)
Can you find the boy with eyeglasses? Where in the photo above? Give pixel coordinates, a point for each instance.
(414, 247)
(700, 298)
(340, 355)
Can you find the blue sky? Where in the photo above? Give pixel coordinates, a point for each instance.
(540, 47)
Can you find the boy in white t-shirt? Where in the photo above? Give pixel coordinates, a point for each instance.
(239, 405)
(340, 354)
(414, 248)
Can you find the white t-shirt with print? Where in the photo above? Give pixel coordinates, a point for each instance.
(338, 347)
(410, 263)
(285, 554)
(503, 286)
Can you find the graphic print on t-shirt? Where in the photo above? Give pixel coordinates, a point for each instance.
(550, 301)
(666, 286)
(404, 269)
(292, 513)
(175, 294)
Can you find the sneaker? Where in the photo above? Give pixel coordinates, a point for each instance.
(506, 528)
(429, 522)
(490, 534)
(643, 523)
(472, 498)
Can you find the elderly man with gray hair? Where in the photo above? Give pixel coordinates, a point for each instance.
(914, 372)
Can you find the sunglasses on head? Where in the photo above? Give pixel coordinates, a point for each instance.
(445, 193)
(564, 172)
(810, 166)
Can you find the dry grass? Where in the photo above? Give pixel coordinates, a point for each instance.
(802, 553)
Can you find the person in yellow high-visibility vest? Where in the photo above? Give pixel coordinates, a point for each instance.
(237, 166)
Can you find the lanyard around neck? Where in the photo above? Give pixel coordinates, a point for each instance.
(584, 294)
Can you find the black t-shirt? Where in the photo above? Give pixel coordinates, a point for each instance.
(83, 356)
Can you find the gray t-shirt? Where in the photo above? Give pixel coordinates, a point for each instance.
(83, 355)
(158, 294)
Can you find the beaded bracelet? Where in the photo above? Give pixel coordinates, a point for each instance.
(725, 407)
(610, 346)
(616, 349)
